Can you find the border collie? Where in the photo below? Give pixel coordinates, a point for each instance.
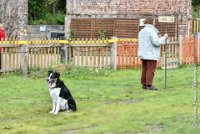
(61, 96)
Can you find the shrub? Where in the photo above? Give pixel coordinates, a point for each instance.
(50, 19)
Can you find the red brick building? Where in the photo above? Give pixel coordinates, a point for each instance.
(121, 17)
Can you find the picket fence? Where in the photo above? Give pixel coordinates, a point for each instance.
(21, 55)
(38, 56)
(195, 25)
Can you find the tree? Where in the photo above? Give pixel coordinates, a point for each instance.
(47, 11)
(37, 9)
(54, 4)
(57, 6)
(196, 4)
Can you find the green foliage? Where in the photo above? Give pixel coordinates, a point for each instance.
(71, 35)
(50, 19)
(42, 12)
(196, 2)
(196, 6)
(196, 14)
(102, 31)
(37, 9)
(102, 34)
(55, 19)
(51, 1)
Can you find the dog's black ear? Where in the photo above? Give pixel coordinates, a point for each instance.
(49, 72)
(58, 74)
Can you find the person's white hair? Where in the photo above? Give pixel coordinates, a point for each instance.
(149, 20)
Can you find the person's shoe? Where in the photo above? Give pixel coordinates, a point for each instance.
(151, 88)
(144, 87)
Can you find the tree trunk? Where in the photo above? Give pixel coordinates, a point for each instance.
(54, 6)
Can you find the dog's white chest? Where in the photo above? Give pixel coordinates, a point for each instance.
(55, 92)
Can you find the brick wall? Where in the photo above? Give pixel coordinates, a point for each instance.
(131, 9)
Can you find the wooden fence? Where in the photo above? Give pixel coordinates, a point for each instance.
(44, 56)
(10, 59)
(121, 28)
(117, 53)
(127, 54)
(195, 25)
(191, 49)
(90, 55)
(36, 55)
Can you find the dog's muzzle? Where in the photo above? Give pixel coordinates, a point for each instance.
(51, 81)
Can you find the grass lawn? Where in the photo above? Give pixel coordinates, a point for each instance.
(113, 104)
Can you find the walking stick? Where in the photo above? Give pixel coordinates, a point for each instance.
(166, 20)
(165, 49)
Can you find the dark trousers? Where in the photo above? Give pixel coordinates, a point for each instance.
(148, 69)
(0, 58)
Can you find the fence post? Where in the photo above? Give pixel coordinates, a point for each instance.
(67, 25)
(64, 54)
(180, 50)
(113, 54)
(197, 47)
(24, 59)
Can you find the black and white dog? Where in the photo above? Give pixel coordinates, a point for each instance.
(61, 96)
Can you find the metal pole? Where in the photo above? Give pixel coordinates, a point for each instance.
(195, 79)
(165, 47)
(166, 20)
(165, 64)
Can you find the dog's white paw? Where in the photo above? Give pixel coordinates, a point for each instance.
(51, 112)
(55, 112)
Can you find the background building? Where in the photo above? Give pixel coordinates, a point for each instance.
(121, 17)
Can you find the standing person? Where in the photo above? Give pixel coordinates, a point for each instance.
(2, 32)
(2, 37)
(149, 51)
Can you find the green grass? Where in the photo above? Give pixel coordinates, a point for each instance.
(113, 104)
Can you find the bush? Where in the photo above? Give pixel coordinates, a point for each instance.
(50, 19)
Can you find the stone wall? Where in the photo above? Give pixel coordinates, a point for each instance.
(130, 9)
(14, 16)
(36, 33)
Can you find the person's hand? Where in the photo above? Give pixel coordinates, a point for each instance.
(166, 36)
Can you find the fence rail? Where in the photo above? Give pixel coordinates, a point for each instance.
(117, 53)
